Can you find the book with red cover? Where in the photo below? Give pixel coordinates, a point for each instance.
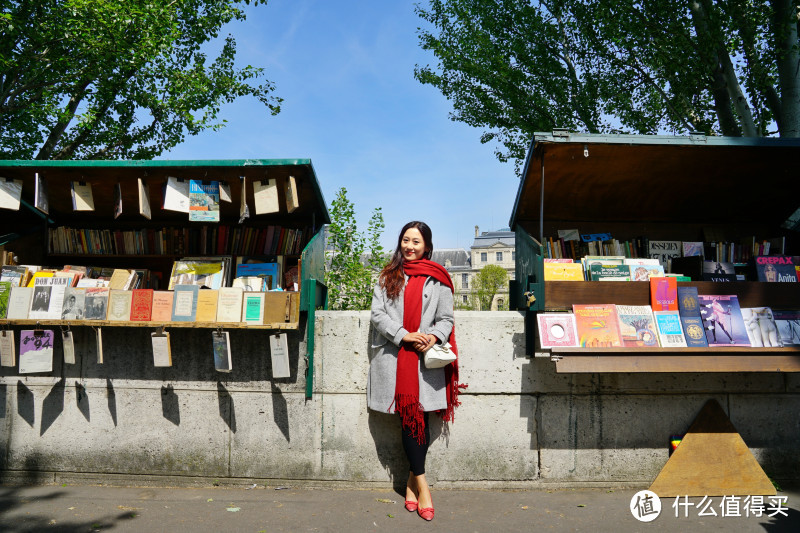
(597, 325)
(142, 304)
(664, 294)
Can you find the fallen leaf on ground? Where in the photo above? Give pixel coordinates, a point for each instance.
(581, 505)
(390, 516)
(524, 507)
(210, 500)
(233, 509)
(124, 508)
(70, 508)
(384, 500)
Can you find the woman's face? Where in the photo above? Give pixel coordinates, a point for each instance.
(412, 245)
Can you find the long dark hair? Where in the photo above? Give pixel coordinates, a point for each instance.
(391, 278)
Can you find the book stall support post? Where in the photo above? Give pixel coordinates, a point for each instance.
(145, 221)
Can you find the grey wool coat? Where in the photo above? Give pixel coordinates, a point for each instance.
(388, 333)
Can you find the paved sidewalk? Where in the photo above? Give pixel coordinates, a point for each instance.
(273, 509)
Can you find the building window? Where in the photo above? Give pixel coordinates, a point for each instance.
(499, 257)
(464, 298)
(484, 257)
(465, 281)
(499, 304)
(513, 256)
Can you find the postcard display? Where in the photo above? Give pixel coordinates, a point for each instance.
(229, 283)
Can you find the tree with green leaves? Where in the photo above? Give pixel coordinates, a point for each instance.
(354, 259)
(488, 282)
(110, 79)
(516, 67)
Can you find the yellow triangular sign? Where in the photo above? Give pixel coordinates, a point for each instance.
(712, 460)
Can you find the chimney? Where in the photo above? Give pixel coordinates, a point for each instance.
(476, 231)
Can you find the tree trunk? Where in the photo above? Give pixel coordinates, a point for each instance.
(784, 28)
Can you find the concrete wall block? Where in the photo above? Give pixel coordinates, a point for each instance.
(139, 431)
(611, 437)
(770, 426)
(342, 358)
(274, 435)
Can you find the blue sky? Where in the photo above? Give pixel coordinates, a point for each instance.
(351, 104)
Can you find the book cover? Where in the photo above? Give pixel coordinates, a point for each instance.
(162, 351)
(18, 275)
(209, 273)
(225, 192)
(788, 323)
(688, 304)
(268, 271)
(222, 351)
(292, 201)
(265, 194)
(645, 272)
(641, 261)
(279, 353)
(203, 201)
(775, 269)
(761, 327)
(176, 195)
(718, 271)
(207, 305)
(119, 305)
(244, 210)
(229, 304)
(99, 344)
(557, 260)
(35, 351)
(722, 320)
(670, 332)
(48, 298)
(19, 303)
(253, 307)
(10, 193)
(41, 201)
(117, 200)
(38, 275)
(664, 251)
(562, 271)
(68, 346)
(82, 199)
(557, 330)
(694, 332)
(141, 305)
(162, 306)
(5, 292)
(8, 349)
(184, 303)
(664, 294)
(144, 199)
(637, 326)
(691, 249)
(74, 307)
(96, 303)
(609, 272)
(597, 325)
(249, 283)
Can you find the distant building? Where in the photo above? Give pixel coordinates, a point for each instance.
(488, 248)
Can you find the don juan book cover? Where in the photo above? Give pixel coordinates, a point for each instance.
(722, 320)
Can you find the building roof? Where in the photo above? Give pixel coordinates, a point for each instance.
(458, 257)
(490, 238)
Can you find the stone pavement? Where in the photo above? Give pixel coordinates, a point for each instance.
(84, 508)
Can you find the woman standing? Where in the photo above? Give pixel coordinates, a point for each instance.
(412, 309)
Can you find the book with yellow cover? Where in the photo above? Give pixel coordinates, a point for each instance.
(563, 272)
(207, 305)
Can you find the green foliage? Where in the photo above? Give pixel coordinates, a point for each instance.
(354, 259)
(110, 79)
(651, 66)
(489, 281)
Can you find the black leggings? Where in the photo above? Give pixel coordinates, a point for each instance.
(415, 451)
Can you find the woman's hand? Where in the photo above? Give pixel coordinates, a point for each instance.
(420, 341)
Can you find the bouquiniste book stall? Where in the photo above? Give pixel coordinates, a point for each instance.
(160, 244)
(719, 216)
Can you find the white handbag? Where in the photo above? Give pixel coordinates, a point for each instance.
(439, 355)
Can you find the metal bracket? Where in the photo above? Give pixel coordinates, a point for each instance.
(556, 358)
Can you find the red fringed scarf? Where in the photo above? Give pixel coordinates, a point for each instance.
(406, 396)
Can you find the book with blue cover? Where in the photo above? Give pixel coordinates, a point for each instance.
(203, 201)
(693, 332)
(670, 332)
(184, 303)
(688, 304)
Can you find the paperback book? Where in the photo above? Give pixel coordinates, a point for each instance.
(688, 304)
(229, 304)
(203, 201)
(597, 325)
(636, 326)
(119, 305)
(5, 292)
(74, 307)
(279, 354)
(761, 327)
(8, 349)
(645, 272)
(718, 271)
(82, 199)
(664, 251)
(265, 194)
(557, 330)
(253, 308)
(35, 351)
(788, 323)
(48, 298)
(670, 332)
(609, 272)
(162, 351)
(207, 305)
(664, 294)
(141, 305)
(775, 269)
(162, 306)
(694, 331)
(184, 305)
(722, 320)
(176, 195)
(222, 351)
(96, 303)
(19, 303)
(10, 193)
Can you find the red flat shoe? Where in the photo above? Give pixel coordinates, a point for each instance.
(411, 506)
(426, 514)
